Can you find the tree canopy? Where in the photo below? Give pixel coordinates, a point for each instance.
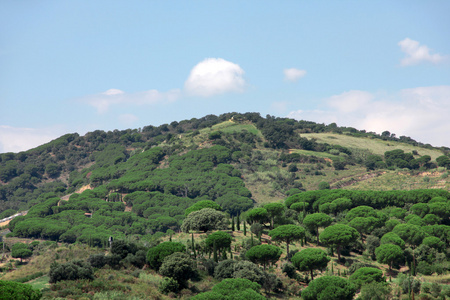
(338, 235)
(310, 259)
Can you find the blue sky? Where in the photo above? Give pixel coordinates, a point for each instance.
(79, 66)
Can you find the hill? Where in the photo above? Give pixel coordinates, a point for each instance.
(135, 186)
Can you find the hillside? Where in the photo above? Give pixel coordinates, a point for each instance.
(138, 186)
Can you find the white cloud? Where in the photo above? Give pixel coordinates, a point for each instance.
(103, 101)
(13, 139)
(421, 113)
(214, 76)
(416, 53)
(293, 74)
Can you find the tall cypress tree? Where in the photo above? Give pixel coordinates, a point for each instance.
(238, 223)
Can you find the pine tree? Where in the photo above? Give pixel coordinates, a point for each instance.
(238, 223)
(232, 223)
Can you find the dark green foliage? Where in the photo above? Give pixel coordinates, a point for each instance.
(274, 210)
(424, 268)
(287, 234)
(290, 270)
(16, 290)
(202, 204)
(225, 269)
(180, 267)
(97, 260)
(157, 254)
(7, 213)
(314, 221)
(221, 239)
(375, 291)
(76, 269)
(388, 254)
(123, 248)
(392, 238)
(168, 285)
(329, 288)
(257, 229)
(234, 204)
(323, 185)
(257, 215)
(310, 259)
(366, 275)
(411, 234)
(264, 254)
(204, 220)
(433, 242)
(338, 235)
(235, 289)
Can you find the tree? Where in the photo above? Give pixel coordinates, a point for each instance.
(157, 254)
(233, 288)
(310, 259)
(258, 214)
(123, 248)
(366, 275)
(202, 204)
(388, 254)
(221, 239)
(375, 291)
(329, 288)
(338, 235)
(204, 220)
(323, 185)
(273, 210)
(287, 234)
(411, 234)
(76, 269)
(392, 238)
(180, 267)
(20, 250)
(443, 161)
(264, 254)
(21, 253)
(361, 211)
(342, 204)
(16, 290)
(363, 225)
(314, 221)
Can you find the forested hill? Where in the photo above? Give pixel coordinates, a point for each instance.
(233, 159)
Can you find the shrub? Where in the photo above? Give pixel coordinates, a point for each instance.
(168, 285)
(16, 290)
(76, 269)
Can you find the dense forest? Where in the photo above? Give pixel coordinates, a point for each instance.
(228, 207)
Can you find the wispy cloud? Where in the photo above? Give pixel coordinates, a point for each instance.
(214, 76)
(14, 139)
(417, 53)
(104, 100)
(293, 74)
(421, 113)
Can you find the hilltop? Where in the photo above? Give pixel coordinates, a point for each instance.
(140, 187)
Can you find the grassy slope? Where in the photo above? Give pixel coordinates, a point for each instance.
(376, 146)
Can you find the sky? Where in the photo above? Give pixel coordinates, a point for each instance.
(80, 66)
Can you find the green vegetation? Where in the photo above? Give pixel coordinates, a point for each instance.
(162, 212)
